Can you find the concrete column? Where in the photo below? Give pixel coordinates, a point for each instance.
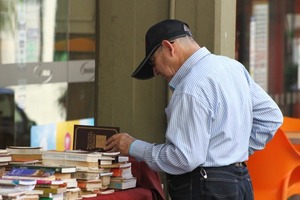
(138, 106)
(212, 23)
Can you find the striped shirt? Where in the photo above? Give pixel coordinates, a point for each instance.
(217, 116)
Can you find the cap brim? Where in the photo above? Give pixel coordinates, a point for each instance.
(145, 70)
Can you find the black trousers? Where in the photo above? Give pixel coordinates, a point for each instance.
(230, 182)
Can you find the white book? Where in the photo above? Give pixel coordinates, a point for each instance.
(24, 150)
(74, 155)
(122, 184)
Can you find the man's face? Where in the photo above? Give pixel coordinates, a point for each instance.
(162, 60)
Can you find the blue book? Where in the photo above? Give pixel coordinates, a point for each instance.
(30, 172)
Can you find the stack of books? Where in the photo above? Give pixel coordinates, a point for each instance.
(89, 187)
(25, 154)
(5, 158)
(83, 160)
(17, 189)
(120, 167)
(89, 177)
(51, 188)
(72, 194)
(62, 173)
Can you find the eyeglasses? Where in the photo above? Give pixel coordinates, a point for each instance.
(152, 59)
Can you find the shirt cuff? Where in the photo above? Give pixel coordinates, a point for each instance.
(137, 149)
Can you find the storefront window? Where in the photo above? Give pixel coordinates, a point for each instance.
(268, 44)
(47, 63)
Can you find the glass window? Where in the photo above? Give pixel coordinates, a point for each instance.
(47, 64)
(268, 44)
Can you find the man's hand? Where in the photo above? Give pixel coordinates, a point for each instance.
(119, 142)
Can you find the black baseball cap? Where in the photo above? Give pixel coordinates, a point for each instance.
(169, 29)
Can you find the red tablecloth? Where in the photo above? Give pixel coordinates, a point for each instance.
(148, 185)
(130, 194)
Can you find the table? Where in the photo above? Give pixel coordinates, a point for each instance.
(130, 194)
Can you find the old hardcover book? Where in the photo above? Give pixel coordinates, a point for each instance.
(92, 138)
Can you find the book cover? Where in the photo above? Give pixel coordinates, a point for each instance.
(26, 157)
(52, 177)
(122, 185)
(85, 175)
(122, 172)
(56, 168)
(92, 138)
(50, 182)
(30, 172)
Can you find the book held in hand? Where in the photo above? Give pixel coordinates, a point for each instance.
(92, 138)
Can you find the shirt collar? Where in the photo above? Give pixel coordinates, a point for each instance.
(186, 67)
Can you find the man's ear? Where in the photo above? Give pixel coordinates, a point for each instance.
(168, 45)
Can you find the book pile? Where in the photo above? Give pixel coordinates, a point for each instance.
(87, 174)
(25, 154)
(93, 181)
(51, 188)
(5, 158)
(120, 167)
(17, 189)
(83, 160)
(63, 175)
